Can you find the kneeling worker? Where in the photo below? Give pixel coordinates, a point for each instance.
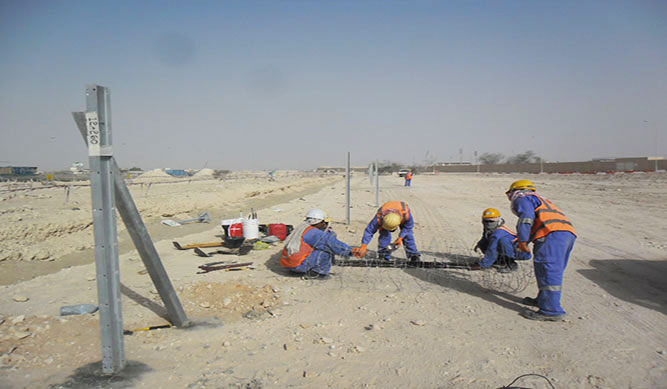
(498, 243)
(388, 218)
(311, 247)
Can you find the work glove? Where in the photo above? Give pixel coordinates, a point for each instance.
(523, 246)
(360, 252)
(398, 242)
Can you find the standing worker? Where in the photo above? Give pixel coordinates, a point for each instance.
(408, 178)
(498, 243)
(388, 218)
(553, 236)
(310, 248)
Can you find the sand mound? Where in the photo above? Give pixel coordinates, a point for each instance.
(204, 173)
(154, 173)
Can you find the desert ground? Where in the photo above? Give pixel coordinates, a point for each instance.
(364, 327)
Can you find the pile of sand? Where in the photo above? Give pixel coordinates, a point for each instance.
(155, 173)
(204, 173)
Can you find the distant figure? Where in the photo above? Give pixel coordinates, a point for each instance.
(553, 236)
(388, 218)
(408, 178)
(311, 247)
(498, 244)
(271, 174)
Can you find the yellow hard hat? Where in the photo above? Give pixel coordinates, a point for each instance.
(490, 213)
(521, 184)
(391, 221)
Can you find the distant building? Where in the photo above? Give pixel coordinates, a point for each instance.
(18, 170)
(337, 169)
(453, 164)
(77, 168)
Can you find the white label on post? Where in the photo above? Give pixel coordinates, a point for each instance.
(93, 127)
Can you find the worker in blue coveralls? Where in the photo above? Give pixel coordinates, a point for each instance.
(388, 218)
(553, 237)
(311, 247)
(498, 243)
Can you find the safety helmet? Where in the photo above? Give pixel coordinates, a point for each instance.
(490, 213)
(315, 216)
(390, 221)
(521, 184)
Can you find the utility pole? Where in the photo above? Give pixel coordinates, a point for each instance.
(377, 184)
(347, 188)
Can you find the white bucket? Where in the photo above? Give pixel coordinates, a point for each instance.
(251, 228)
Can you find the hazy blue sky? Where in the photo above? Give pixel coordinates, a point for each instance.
(297, 84)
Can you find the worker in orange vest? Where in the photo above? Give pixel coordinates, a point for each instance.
(388, 218)
(311, 247)
(553, 237)
(408, 178)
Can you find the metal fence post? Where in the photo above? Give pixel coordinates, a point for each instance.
(142, 240)
(377, 185)
(347, 188)
(98, 124)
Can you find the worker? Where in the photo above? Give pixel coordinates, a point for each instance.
(388, 218)
(498, 244)
(408, 178)
(311, 247)
(553, 237)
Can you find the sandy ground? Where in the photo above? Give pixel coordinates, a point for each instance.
(365, 327)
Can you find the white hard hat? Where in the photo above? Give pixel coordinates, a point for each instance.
(315, 216)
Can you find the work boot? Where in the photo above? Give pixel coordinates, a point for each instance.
(313, 275)
(532, 315)
(529, 301)
(415, 258)
(510, 267)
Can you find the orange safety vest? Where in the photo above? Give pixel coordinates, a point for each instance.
(510, 231)
(548, 218)
(297, 258)
(408, 176)
(392, 207)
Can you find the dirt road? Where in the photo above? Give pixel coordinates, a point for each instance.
(378, 327)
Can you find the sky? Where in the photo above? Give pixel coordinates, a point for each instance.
(298, 84)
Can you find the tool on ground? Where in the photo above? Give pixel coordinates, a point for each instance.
(130, 332)
(213, 267)
(202, 218)
(197, 245)
(242, 250)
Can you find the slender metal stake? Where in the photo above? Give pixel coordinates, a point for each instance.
(377, 185)
(347, 188)
(98, 124)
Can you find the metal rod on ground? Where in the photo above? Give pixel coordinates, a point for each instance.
(98, 124)
(377, 185)
(347, 188)
(142, 241)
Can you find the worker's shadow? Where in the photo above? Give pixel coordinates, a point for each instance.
(636, 281)
(460, 280)
(273, 264)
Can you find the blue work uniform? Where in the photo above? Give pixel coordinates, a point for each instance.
(325, 246)
(500, 247)
(551, 254)
(384, 238)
